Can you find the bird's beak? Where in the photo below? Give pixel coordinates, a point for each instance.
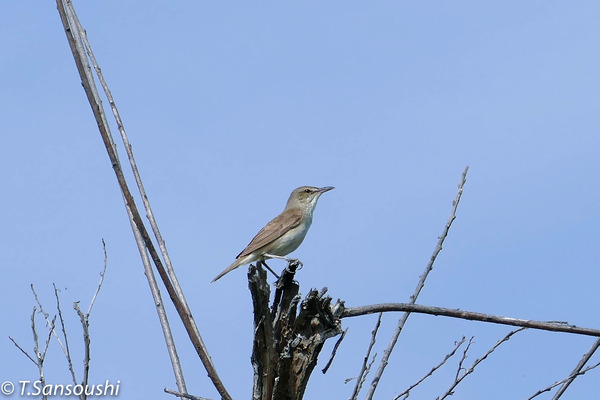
(326, 189)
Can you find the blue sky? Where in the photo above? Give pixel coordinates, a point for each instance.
(231, 106)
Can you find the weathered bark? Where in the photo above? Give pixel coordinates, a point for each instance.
(287, 342)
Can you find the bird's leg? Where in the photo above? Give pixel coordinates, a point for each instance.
(267, 255)
(291, 261)
(269, 268)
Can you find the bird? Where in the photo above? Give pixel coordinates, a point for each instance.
(284, 233)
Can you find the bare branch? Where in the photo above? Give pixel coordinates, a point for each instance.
(85, 324)
(442, 237)
(50, 331)
(463, 358)
(362, 375)
(578, 368)
(39, 303)
(459, 379)
(101, 280)
(36, 349)
(567, 379)
(334, 351)
(158, 302)
(420, 285)
(184, 395)
(22, 350)
(470, 315)
(448, 356)
(77, 39)
(40, 356)
(369, 367)
(64, 347)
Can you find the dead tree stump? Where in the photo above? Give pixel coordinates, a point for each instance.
(287, 341)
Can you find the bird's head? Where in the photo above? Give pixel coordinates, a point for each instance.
(306, 197)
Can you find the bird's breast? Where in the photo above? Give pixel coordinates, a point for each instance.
(289, 241)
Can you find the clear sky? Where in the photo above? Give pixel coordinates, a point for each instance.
(230, 106)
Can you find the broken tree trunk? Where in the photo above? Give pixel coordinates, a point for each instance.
(287, 341)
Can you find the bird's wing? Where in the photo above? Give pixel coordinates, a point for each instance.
(273, 230)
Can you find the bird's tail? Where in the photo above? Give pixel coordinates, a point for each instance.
(236, 263)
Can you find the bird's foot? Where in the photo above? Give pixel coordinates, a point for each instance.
(294, 265)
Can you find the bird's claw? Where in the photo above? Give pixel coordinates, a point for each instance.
(295, 264)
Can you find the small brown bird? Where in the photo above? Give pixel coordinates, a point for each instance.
(284, 233)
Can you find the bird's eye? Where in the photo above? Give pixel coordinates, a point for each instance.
(306, 190)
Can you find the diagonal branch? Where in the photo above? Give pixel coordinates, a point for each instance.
(420, 285)
(362, 375)
(334, 351)
(101, 280)
(77, 38)
(460, 378)
(564, 381)
(22, 350)
(577, 371)
(430, 373)
(47, 345)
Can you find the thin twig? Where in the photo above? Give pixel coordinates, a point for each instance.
(368, 369)
(362, 375)
(471, 369)
(101, 280)
(85, 324)
(36, 350)
(50, 331)
(567, 379)
(463, 358)
(47, 318)
(184, 395)
(470, 315)
(446, 358)
(334, 351)
(36, 346)
(364, 378)
(64, 347)
(402, 321)
(158, 302)
(22, 350)
(586, 357)
(39, 303)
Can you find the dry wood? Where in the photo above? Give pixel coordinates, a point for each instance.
(288, 336)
